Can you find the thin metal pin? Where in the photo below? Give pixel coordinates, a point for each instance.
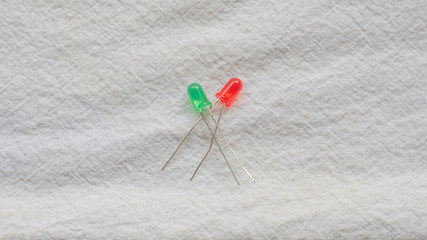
(183, 140)
(210, 146)
(213, 135)
(228, 144)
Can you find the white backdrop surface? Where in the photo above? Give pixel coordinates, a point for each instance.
(331, 121)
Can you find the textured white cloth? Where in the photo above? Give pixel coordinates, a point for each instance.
(331, 121)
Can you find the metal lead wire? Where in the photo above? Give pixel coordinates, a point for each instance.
(183, 140)
(228, 144)
(210, 146)
(213, 135)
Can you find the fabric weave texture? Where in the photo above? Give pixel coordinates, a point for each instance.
(331, 120)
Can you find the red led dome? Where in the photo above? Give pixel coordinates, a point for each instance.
(229, 92)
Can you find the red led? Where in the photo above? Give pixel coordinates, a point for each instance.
(229, 92)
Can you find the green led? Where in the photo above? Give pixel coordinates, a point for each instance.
(198, 98)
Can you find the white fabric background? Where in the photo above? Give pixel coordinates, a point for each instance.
(331, 120)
